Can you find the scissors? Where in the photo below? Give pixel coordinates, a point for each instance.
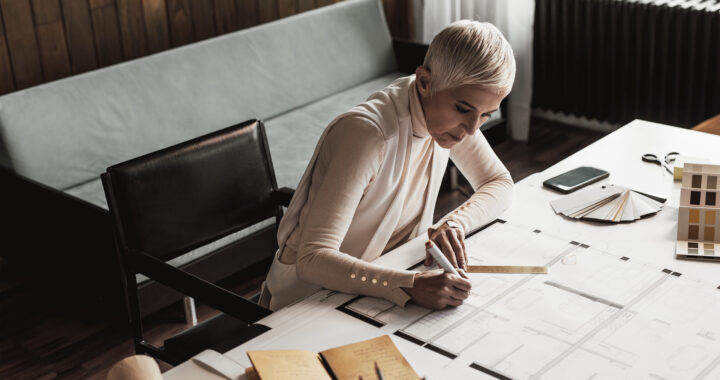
(669, 158)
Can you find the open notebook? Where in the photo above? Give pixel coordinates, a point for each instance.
(351, 361)
(607, 203)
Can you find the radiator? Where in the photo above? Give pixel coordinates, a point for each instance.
(619, 60)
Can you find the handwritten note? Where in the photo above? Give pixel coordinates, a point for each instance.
(358, 359)
(288, 364)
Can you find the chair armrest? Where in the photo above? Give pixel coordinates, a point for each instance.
(213, 295)
(409, 55)
(282, 196)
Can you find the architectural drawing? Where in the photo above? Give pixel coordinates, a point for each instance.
(594, 315)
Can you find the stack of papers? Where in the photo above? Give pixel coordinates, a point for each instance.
(608, 203)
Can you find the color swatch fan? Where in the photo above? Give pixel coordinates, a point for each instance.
(608, 203)
(698, 234)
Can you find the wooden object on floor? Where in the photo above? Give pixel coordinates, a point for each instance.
(711, 125)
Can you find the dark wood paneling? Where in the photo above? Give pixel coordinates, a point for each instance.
(107, 32)
(286, 8)
(268, 11)
(399, 14)
(79, 33)
(7, 82)
(305, 5)
(248, 13)
(132, 28)
(46, 11)
(156, 25)
(180, 22)
(51, 39)
(203, 13)
(226, 18)
(22, 43)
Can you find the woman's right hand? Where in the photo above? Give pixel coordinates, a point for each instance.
(437, 290)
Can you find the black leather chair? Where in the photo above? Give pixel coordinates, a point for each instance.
(169, 202)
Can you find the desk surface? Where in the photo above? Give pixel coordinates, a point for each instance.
(628, 308)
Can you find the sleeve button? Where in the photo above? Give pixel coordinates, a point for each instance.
(384, 283)
(352, 275)
(374, 281)
(363, 278)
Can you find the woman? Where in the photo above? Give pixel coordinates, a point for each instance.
(372, 182)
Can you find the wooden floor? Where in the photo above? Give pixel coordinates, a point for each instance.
(42, 338)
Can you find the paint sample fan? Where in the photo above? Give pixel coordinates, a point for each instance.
(608, 203)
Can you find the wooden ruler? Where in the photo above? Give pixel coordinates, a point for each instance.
(505, 269)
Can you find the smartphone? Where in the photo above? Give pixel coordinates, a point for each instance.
(575, 179)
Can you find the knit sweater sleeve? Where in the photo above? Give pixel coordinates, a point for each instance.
(347, 163)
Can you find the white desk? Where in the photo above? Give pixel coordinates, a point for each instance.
(315, 324)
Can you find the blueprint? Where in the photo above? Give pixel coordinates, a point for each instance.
(595, 315)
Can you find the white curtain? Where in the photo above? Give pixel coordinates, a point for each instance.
(515, 19)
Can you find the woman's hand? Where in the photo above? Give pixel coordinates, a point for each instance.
(437, 290)
(451, 241)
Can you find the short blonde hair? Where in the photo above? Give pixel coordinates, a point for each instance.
(470, 53)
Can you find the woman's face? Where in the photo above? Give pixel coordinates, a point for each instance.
(454, 113)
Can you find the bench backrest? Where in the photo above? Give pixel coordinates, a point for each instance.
(67, 132)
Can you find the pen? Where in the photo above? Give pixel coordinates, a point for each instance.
(377, 370)
(440, 258)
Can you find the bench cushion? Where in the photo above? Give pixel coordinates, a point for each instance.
(66, 132)
(292, 136)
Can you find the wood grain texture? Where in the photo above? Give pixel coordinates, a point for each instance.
(399, 16)
(180, 22)
(50, 32)
(53, 51)
(46, 11)
(107, 35)
(305, 5)
(248, 13)
(226, 17)
(286, 8)
(267, 11)
(79, 33)
(7, 82)
(22, 43)
(132, 28)
(203, 18)
(156, 25)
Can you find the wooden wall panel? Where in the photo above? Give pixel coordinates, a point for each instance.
(7, 82)
(44, 40)
(22, 43)
(305, 5)
(399, 14)
(226, 18)
(79, 33)
(248, 13)
(51, 39)
(268, 11)
(107, 32)
(286, 8)
(156, 25)
(132, 28)
(203, 18)
(180, 22)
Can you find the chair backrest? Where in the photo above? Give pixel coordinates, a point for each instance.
(174, 200)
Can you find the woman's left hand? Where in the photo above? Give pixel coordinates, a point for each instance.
(451, 241)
